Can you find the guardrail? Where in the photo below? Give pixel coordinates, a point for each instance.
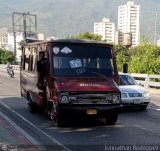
(143, 79)
(15, 67)
(147, 80)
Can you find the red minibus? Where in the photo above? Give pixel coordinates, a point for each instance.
(80, 77)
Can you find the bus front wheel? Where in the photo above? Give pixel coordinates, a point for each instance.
(31, 105)
(111, 118)
(57, 121)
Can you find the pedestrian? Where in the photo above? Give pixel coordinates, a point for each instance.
(41, 68)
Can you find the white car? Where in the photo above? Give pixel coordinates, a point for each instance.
(132, 94)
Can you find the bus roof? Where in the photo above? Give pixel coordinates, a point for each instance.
(76, 41)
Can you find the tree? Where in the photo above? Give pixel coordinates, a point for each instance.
(6, 56)
(87, 35)
(144, 39)
(122, 56)
(146, 59)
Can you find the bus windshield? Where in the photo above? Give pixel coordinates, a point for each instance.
(82, 61)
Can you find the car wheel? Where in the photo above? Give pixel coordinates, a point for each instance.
(111, 118)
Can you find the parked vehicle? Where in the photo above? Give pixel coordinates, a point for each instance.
(9, 70)
(133, 95)
(79, 78)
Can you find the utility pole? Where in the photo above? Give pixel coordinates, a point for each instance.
(155, 29)
(25, 23)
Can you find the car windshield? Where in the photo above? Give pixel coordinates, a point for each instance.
(127, 80)
(82, 61)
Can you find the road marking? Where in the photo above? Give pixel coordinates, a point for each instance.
(51, 138)
(20, 130)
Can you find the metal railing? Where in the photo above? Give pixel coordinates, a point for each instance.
(147, 80)
(15, 67)
(143, 79)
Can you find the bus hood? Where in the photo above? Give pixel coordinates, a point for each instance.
(86, 84)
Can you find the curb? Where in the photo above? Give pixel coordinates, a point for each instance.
(22, 140)
(21, 135)
(30, 138)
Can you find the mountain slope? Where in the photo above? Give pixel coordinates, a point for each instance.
(66, 17)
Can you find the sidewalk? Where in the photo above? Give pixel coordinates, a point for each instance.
(12, 137)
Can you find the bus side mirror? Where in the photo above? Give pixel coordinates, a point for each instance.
(125, 68)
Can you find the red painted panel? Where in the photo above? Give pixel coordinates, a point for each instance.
(86, 84)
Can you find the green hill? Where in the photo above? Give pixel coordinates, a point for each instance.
(66, 17)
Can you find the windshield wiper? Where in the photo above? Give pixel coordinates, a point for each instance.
(101, 75)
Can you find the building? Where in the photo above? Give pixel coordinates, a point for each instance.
(10, 44)
(7, 42)
(124, 39)
(128, 21)
(158, 42)
(3, 37)
(106, 29)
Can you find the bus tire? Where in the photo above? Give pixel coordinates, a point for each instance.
(111, 118)
(31, 104)
(57, 122)
(56, 119)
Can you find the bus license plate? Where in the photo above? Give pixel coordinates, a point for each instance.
(91, 111)
(137, 101)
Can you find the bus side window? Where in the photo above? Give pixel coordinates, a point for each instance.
(27, 58)
(26, 66)
(23, 62)
(34, 63)
(47, 64)
(31, 63)
(34, 59)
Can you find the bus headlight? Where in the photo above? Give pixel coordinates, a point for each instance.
(115, 98)
(64, 99)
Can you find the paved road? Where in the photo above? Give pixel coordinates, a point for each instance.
(133, 127)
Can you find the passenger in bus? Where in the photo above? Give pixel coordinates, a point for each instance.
(42, 70)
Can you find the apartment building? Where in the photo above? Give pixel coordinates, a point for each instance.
(7, 41)
(3, 37)
(106, 29)
(129, 21)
